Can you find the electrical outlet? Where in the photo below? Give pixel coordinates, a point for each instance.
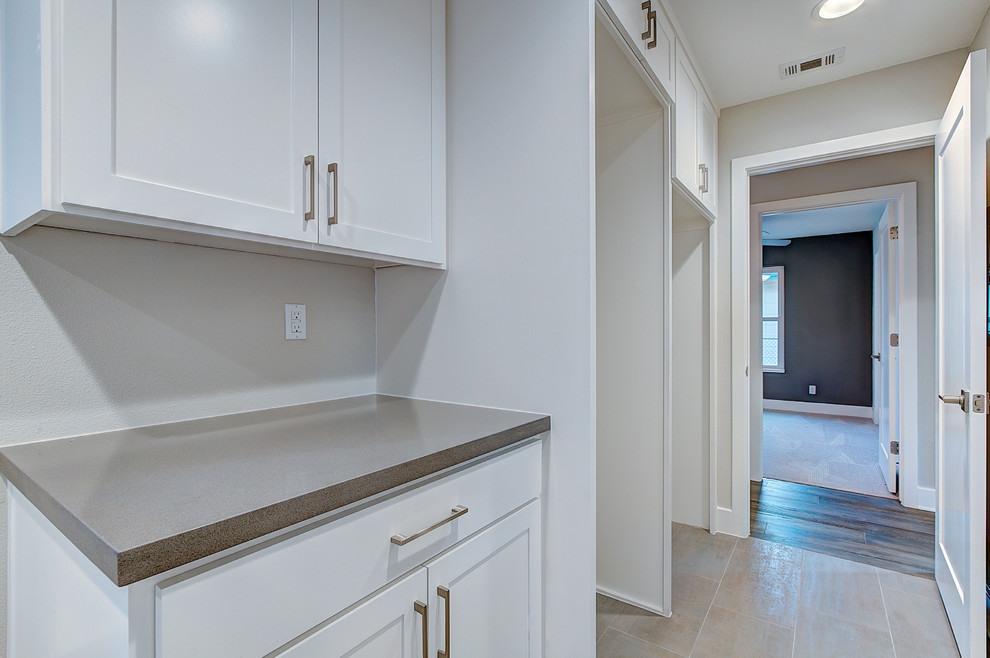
(813, 390)
(295, 322)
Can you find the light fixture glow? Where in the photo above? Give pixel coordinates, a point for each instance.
(829, 9)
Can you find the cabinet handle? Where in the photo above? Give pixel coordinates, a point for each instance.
(444, 594)
(651, 24)
(420, 608)
(402, 540)
(703, 175)
(310, 161)
(332, 169)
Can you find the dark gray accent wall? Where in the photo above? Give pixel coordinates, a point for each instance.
(828, 319)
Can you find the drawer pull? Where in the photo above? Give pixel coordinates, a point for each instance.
(420, 608)
(444, 594)
(402, 540)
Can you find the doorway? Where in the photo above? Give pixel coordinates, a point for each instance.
(826, 406)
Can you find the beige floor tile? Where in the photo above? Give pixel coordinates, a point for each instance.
(902, 582)
(615, 644)
(762, 581)
(845, 589)
(606, 609)
(692, 597)
(919, 626)
(696, 551)
(823, 636)
(727, 634)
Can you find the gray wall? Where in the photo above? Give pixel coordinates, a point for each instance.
(828, 309)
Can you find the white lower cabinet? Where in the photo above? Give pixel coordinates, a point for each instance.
(343, 585)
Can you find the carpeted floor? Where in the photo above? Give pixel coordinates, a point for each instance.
(825, 451)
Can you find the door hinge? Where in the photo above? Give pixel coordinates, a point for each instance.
(895, 448)
(895, 340)
(894, 233)
(979, 403)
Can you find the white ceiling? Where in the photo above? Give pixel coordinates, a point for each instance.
(823, 221)
(740, 43)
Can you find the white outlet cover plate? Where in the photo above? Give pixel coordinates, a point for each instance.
(295, 322)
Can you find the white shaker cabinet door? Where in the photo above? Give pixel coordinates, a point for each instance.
(389, 624)
(195, 112)
(686, 108)
(485, 594)
(645, 27)
(383, 127)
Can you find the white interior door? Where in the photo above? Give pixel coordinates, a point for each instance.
(960, 513)
(889, 361)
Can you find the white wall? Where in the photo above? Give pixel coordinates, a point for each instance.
(897, 96)
(103, 332)
(690, 450)
(512, 323)
(630, 457)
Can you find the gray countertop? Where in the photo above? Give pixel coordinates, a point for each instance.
(142, 501)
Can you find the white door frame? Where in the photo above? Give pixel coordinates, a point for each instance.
(736, 519)
(904, 197)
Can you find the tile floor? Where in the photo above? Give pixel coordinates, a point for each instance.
(825, 451)
(750, 597)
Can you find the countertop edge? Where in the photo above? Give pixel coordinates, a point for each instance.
(132, 565)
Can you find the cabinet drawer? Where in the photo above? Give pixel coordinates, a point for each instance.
(254, 602)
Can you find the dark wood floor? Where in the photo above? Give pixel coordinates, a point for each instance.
(876, 531)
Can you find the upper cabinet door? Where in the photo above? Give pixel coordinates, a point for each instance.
(195, 112)
(382, 128)
(686, 107)
(650, 33)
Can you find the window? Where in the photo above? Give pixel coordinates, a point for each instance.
(773, 319)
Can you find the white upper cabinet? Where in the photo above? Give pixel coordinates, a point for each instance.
(695, 130)
(382, 127)
(645, 26)
(217, 121)
(196, 112)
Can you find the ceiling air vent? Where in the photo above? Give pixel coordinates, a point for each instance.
(820, 61)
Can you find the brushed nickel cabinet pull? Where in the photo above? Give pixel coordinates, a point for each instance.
(310, 162)
(444, 594)
(420, 608)
(402, 540)
(651, 24)
(332, 169)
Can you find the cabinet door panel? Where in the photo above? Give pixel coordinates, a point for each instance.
(686, 126)
(382, 121)
(633, 22)
(196, 112)
(385, 626)
(494, 599)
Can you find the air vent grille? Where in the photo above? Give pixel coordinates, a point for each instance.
(819, 61)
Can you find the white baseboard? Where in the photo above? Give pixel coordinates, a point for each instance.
(632, 602)
(926, 499)
(819, 408)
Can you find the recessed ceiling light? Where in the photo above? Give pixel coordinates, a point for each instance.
(829, 9)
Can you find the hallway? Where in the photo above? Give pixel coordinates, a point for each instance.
(750, 597)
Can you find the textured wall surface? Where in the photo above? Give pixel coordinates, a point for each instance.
(828, 320)
(104, 332)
